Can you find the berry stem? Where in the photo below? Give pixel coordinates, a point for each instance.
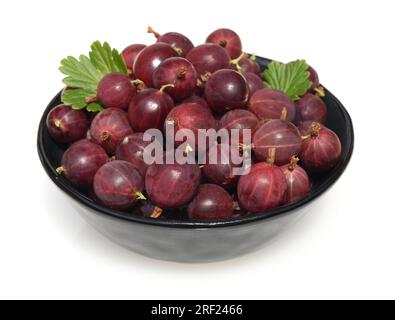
(283, 115)
(236, 206)
(156, 213)
(136, 82)
(272, 156)
(315, 129)
(171, 122)
(205, 77)
(181, 73)
(178, 50)
(105, 136)
(223, 43)
(57, 123)
(59, 170)
(320, 91)
(237, 60)
(139, 84)
(150, 30)
(90, 99)
(139, 196)
(165, 86)
(293, 163)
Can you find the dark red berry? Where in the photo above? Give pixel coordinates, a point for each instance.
(109, 128)
(228, 39)
(177, 40)
(172, 185)
(199, 100)
(315, 81)
(189, 116)
(211, 203)
(264, 188)
(226, 90)
(131, 149)
(81, 161)
(130, 53)
(178, 72)
(269, 104)
(221, 171)
(279, 134)
(118, 184)
(115, 91)
(149, 58)
(66, 125)
(208, 58)
(247, 64)
(321, 150)
(297, 180)
(148, 110)
(311, 107)
(254, 82)
(239, 120)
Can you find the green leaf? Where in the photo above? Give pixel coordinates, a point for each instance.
(76, 97)
(119, 61)
(80, 73)
(291, 78)
(84, 74)
(105, 59)
(94, 107)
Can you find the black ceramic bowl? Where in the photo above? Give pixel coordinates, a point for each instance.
(201, 241)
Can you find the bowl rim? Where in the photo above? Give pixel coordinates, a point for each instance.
(74, 193)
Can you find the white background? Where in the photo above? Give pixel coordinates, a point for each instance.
(345, 249)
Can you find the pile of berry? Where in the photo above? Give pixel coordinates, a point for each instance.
(211, 86)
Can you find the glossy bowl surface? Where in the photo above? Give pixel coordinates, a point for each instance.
(195, 241)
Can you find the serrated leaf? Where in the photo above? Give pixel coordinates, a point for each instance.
(85, 73)
(119, 61)
(105, 59)
(94, 107)
(76, 97)
(80, 73)
(291, 78)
